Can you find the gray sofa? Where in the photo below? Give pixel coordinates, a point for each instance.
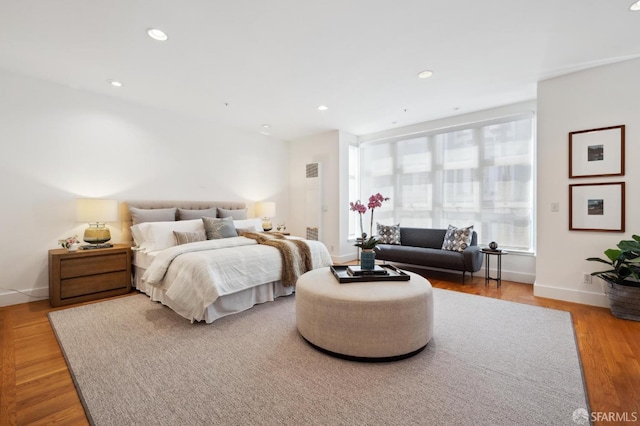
(423, 247)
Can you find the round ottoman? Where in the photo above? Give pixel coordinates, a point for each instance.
(369, 321)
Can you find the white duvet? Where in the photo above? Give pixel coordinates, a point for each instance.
(194, 275)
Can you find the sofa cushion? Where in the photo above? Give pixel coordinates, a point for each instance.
(422, 237)
(388, 234)
(457, 239)
(429, 257)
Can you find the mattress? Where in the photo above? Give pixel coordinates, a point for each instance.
(143, 259)
(224, 305)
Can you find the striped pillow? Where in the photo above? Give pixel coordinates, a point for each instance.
(189, 237)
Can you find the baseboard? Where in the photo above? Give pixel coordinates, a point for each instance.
(570, 295)
(13, 297)
(515, 276)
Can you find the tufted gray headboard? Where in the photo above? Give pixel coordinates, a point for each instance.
(163, 204)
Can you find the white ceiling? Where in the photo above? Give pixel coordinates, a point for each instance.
(244, 63)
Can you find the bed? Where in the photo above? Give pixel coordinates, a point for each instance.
(203, 279)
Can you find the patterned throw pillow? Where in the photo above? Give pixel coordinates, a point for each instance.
(219, 228)
(389, 234)
(189, 237)
(457, 239)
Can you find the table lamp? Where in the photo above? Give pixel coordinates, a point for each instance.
(96, 213)
(266, 210)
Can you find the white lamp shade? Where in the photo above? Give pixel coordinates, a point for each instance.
(266, 209)
(92, 210)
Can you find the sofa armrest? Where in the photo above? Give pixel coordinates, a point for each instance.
(472, 258)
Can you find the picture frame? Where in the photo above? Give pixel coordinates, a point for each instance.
(597, 152)
(597, 207)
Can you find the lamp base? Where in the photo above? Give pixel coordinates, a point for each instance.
(266, 224)
(96, 233)
(96, 246)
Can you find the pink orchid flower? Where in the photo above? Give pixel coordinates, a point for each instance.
(375, 201)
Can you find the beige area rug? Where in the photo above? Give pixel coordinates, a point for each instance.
(490, 362)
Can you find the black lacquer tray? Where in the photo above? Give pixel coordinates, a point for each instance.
(394, 274)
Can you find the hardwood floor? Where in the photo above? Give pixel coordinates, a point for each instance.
(36, 386)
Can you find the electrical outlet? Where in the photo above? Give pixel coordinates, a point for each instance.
(586, 278)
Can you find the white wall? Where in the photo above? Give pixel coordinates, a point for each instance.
(330, 149)
(59, 144)
(598, 97)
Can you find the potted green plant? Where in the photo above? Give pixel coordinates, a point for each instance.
(623, 279)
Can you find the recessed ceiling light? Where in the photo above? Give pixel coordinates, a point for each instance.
(157, 34)
(265, 133)
(425, 74)
(266, 126)
(323, 107)
(115, 83)
(635, 6)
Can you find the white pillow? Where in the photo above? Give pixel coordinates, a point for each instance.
(138, 236)
(159, 235)
(254, 225)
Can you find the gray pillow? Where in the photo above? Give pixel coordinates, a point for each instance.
(152, 215)
(219, 228)
(457, 239)
(184, 214)
(389, 234)
(189, 237)
(238, 214)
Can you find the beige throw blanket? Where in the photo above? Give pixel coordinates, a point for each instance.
(295, 254)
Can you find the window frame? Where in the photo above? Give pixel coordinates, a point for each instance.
(480, 161)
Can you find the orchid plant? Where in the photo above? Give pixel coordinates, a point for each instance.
(375, 201)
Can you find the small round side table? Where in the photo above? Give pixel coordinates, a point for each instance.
(487, 260)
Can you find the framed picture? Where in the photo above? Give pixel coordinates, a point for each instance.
(596, 152)
(596, 207)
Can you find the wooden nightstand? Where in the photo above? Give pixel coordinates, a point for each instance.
(86, 275)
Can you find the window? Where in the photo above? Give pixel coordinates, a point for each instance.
(480, 174)
(354, 186)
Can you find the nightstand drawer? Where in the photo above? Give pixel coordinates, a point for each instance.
(80, 267)
(82, 286)
(86, 275)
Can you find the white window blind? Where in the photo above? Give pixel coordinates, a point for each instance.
(480, 174)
